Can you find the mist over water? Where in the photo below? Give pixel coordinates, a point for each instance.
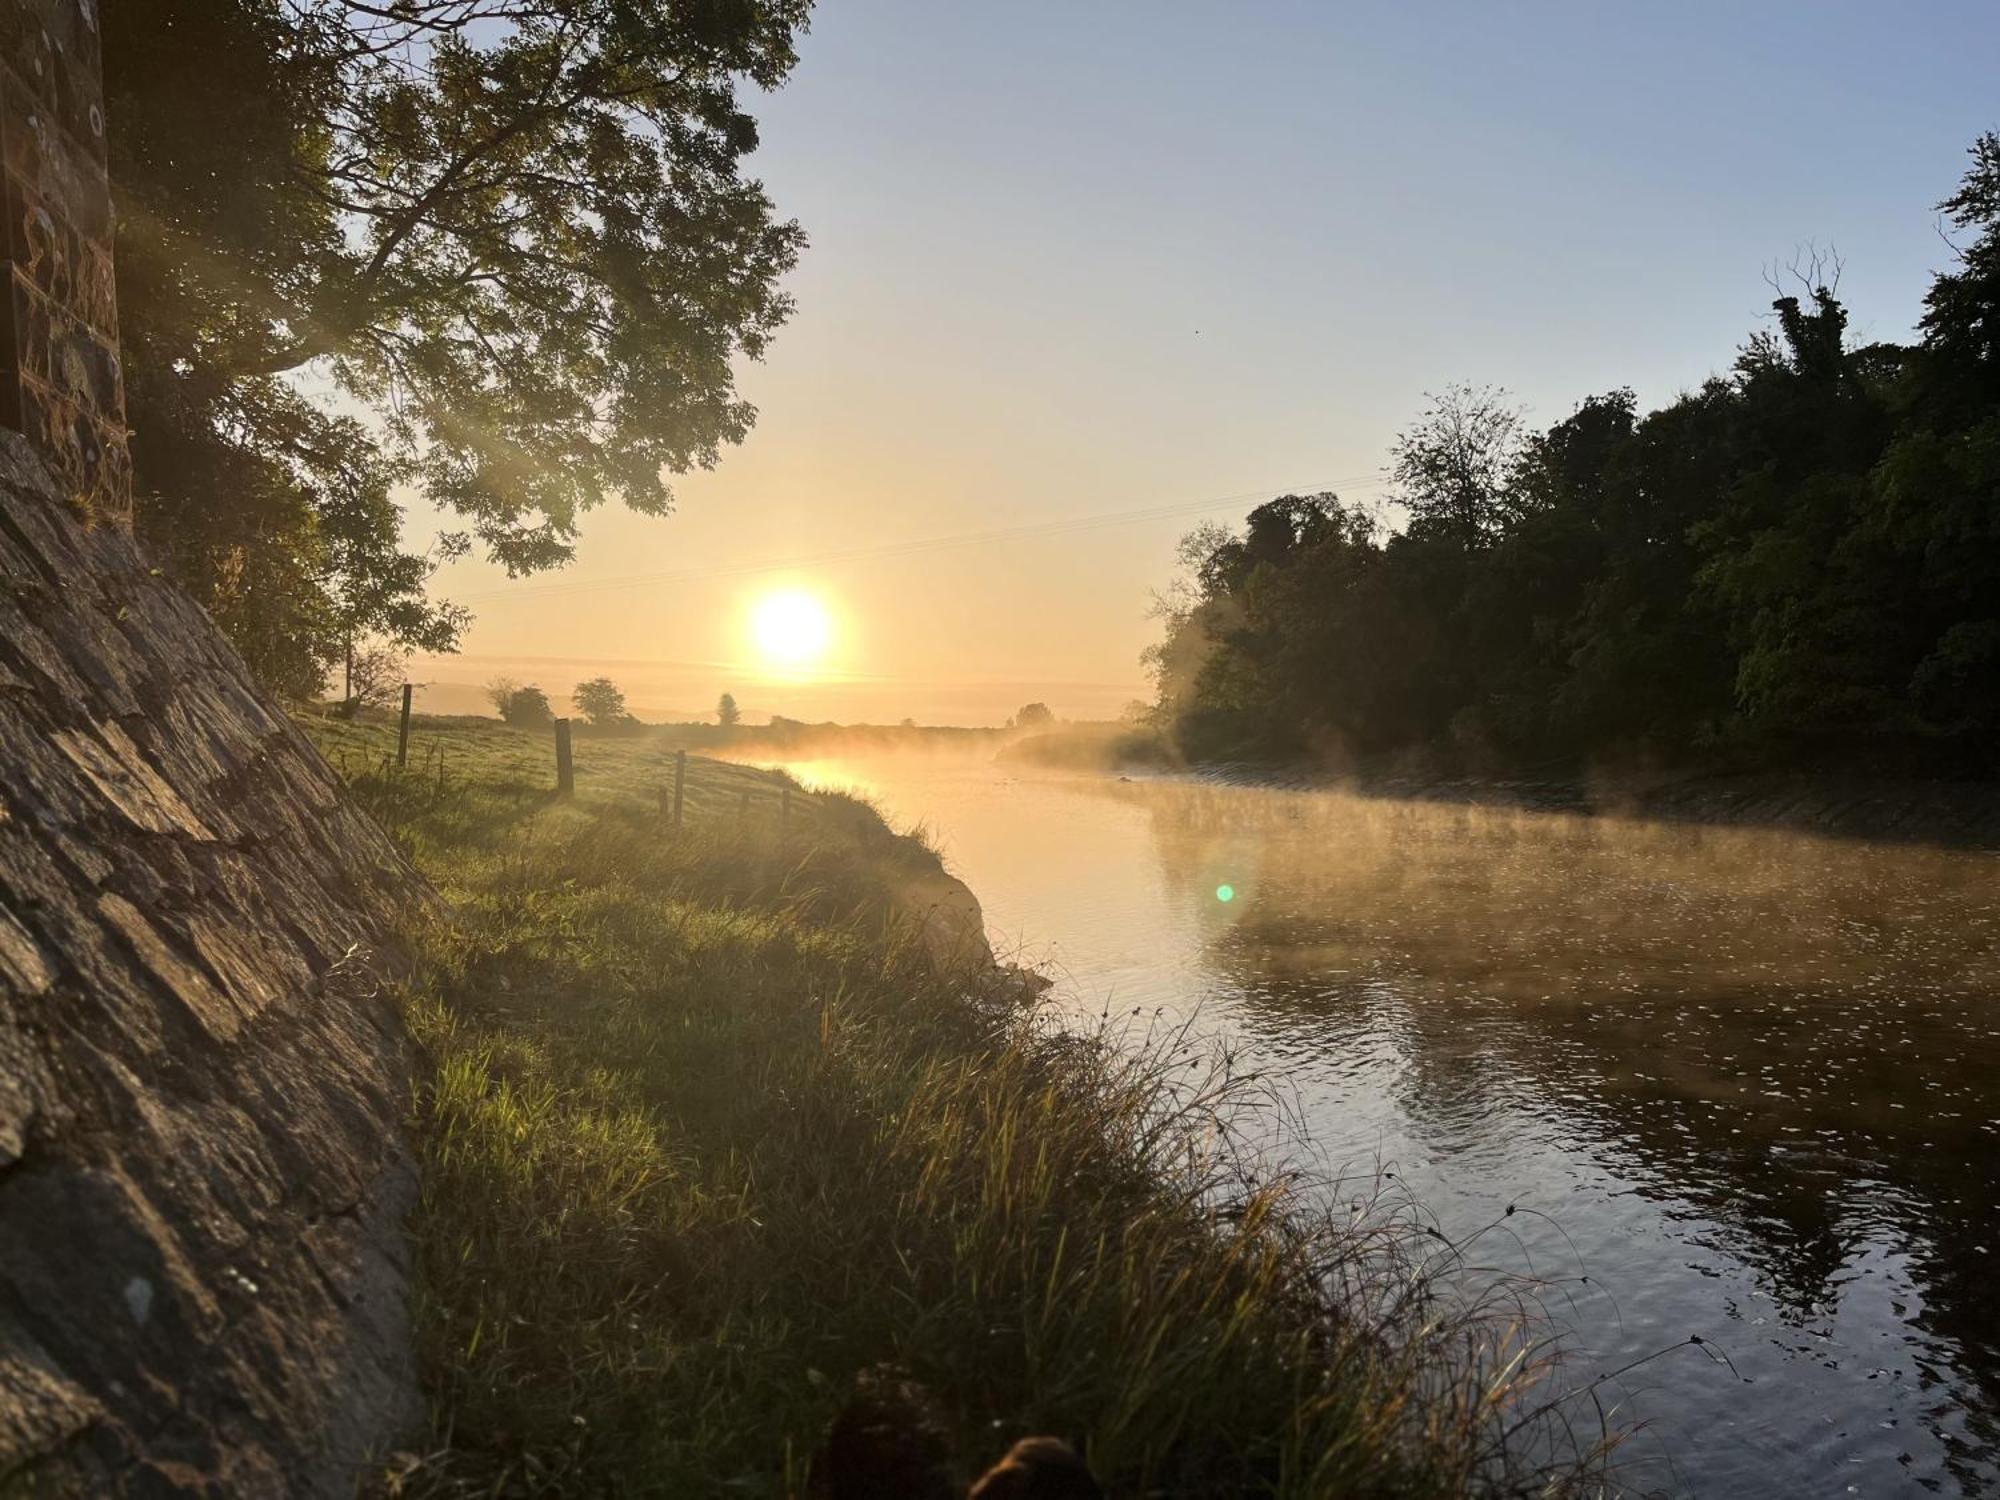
(1743, 1081)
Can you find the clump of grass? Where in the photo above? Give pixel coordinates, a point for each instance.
(703, 1135)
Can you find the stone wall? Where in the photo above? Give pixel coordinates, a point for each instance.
(60, 381)
(201, 1085)
(202, 1185)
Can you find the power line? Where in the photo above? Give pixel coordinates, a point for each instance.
(1057, 526)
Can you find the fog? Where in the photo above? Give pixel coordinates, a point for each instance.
(1742, 1080)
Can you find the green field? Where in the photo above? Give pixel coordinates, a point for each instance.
(706, 1130)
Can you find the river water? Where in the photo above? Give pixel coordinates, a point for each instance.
(1746, 1082)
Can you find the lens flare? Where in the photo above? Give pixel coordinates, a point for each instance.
(1225, 893)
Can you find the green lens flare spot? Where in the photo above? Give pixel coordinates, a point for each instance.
(1225, 893)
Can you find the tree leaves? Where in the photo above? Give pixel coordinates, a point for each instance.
(1796, 563)
(508, 246)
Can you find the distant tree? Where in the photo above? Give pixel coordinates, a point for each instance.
(499, 692)
(599, 700)
(1033, 716)
(528, 708)
(1796, 563)
(727, 714)
(909, 723)
(372, 678)
(1451, 468)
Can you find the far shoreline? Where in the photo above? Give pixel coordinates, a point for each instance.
(1958, 814)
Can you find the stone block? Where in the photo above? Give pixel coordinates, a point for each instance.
(60, 379)
(54, 48)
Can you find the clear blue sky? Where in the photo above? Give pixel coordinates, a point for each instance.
(1087, 257)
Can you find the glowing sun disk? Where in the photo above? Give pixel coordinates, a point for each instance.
(791, 628)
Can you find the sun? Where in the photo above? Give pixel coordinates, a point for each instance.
(791, 628)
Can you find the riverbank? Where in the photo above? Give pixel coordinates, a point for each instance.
(1955, 814)
(707, 1126)
(1960, 815)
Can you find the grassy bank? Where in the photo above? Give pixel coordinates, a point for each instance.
(705, 1130)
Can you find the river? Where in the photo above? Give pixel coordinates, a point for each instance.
(1744, 1081)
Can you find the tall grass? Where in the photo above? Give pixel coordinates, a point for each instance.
(703, 1135)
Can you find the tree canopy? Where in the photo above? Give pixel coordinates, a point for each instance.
(599, 700)
(1797, 563)
(502, 253)
(523, 706)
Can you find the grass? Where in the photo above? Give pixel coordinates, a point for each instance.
(705, 1131)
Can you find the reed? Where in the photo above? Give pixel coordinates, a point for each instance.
(702, 1136)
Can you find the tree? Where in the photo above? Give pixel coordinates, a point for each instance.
(1451, 468)
(372, 677)
(1961, 322)
(527, 708)
(1033, 716)
(727, 714)
(599, 700)
(500, 692)
(1936, 494)
(1795, 564)
(515, 239)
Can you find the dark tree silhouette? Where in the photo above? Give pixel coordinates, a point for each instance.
(726, 711)
(1797, 564)
(524, 707)
(1451, 468)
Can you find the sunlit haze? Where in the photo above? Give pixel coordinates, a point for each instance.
(1076, 262)
(1079, 747)
(791, 629)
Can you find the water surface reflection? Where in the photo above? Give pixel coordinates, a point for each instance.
(1748, 1076)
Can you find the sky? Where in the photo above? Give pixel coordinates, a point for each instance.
(1084, 274)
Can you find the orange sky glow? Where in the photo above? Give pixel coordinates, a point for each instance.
(1081, 279)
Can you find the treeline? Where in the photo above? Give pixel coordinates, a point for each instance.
(1797, 564)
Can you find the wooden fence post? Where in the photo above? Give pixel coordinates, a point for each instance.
(565, 771)
(784, 811)
(680, 782)
(403, 733)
